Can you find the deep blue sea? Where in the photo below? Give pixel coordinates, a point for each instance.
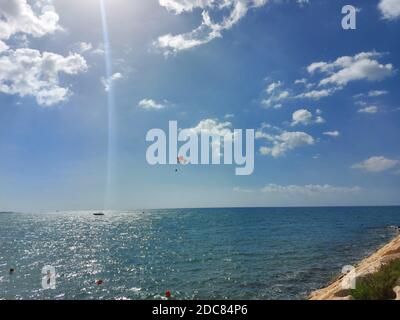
(257, 253)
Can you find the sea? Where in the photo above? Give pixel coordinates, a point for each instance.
(224, 253)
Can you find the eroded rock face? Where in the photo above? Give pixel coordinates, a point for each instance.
(390, 257)
(397, 292)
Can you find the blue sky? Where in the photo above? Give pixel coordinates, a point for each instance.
(324, 101)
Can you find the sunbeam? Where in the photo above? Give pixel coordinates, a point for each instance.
(110, 105)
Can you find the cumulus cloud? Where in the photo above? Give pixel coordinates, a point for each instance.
(301, 116)
(150, 104)
(28, 72)
(334, 134)
(334, 76)
(276, 97)
(377, 93)
(362, 66)
(369, 110)
(213, 127)
(283, 142)
(180, 6)
(311, 189)
(18, 17)
(109, 82)
(376, 164)
(84, 47)
(273, 86)
(305, 117)
(208, 29)
(390, 9)
(302, 81)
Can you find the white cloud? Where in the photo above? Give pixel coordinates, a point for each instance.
(213, 127)
(390, 9)
(315, 66)
(109, 82)
(361, 103)
(28, 72)
(208, 29)
(150, 104)
(303, 81)
(377, 93)
(334, 134)
(337, 74)
(308, 189)
(319, 120)
(371, 94)
(84, 47)
(273, 86)
(302, 116)
(284, 142)
(3, 46)
(369, 110)
(275, 99)
(89, 48)
(305, 117)
(17, 17)
(318, 94)
(260, 134)
(376, 164)
(180, 6)
(363, 66)
(99, 50)
(283, 95)
(303, 2)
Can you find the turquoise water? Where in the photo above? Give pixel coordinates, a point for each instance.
(259, 253)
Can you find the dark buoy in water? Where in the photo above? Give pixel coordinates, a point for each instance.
(168, 294)
(99, 282)
(12, 270)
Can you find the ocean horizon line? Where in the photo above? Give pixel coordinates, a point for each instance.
(197, 208)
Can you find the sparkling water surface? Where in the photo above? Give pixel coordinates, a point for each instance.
(257, 253)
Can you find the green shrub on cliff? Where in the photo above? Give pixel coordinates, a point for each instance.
(379, 285)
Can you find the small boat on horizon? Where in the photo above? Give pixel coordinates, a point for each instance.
(98, 214)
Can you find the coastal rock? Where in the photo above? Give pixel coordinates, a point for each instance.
(387, 253)
(390, 257)
(374, 267)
